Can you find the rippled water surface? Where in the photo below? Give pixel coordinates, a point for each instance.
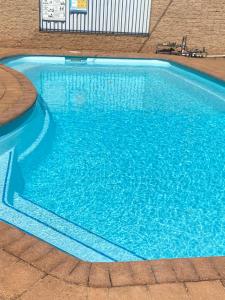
(134, 154)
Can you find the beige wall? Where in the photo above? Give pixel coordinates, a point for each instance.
(202, 20)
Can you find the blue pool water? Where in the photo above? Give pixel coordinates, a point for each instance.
(119, 159)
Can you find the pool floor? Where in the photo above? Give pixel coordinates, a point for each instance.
(123, 160)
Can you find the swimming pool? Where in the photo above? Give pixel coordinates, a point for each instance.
(119, 160)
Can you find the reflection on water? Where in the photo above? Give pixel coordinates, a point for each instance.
(127, 160)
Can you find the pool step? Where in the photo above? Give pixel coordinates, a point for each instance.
(73, 231)
(51, 228)
(41, 126)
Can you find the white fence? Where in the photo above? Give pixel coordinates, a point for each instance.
(101, 16)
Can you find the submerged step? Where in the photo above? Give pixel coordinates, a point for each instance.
(23, 221)
(51, 228)
(73, 231)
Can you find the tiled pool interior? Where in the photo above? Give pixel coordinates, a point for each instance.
(119, 160)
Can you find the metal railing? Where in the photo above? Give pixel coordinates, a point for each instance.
(121, 17)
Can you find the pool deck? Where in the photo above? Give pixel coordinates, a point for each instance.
(32, 269)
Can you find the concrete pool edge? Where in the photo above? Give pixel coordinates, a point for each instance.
(53, 262)
(17, 95)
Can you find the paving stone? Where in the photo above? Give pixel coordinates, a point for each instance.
(80, 275)
(121, 274)
(17, 278)
(50, 260)
(19, 246)
(6, 260)
(51, 288)
(184, 270)
(16, 90)
(206, 290)
(219, 263)
(65, 268)
(142, 273)
(98, 294)
(129, 293)
(4, 226)
(163, 271)
(99, 275)
(205, 269)
(35, 252)
(168, 291)
(7, 236)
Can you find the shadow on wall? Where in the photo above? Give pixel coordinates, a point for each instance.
(202, 21)
(151, 31)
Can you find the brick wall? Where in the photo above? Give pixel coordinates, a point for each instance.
(202, 20)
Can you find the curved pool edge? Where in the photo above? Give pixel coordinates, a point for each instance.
(17, 95)
(56, 263)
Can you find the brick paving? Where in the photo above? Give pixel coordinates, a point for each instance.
(17, 94)
(32, 269)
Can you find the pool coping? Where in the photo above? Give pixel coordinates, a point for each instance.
(18, 92)
(17, 95)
